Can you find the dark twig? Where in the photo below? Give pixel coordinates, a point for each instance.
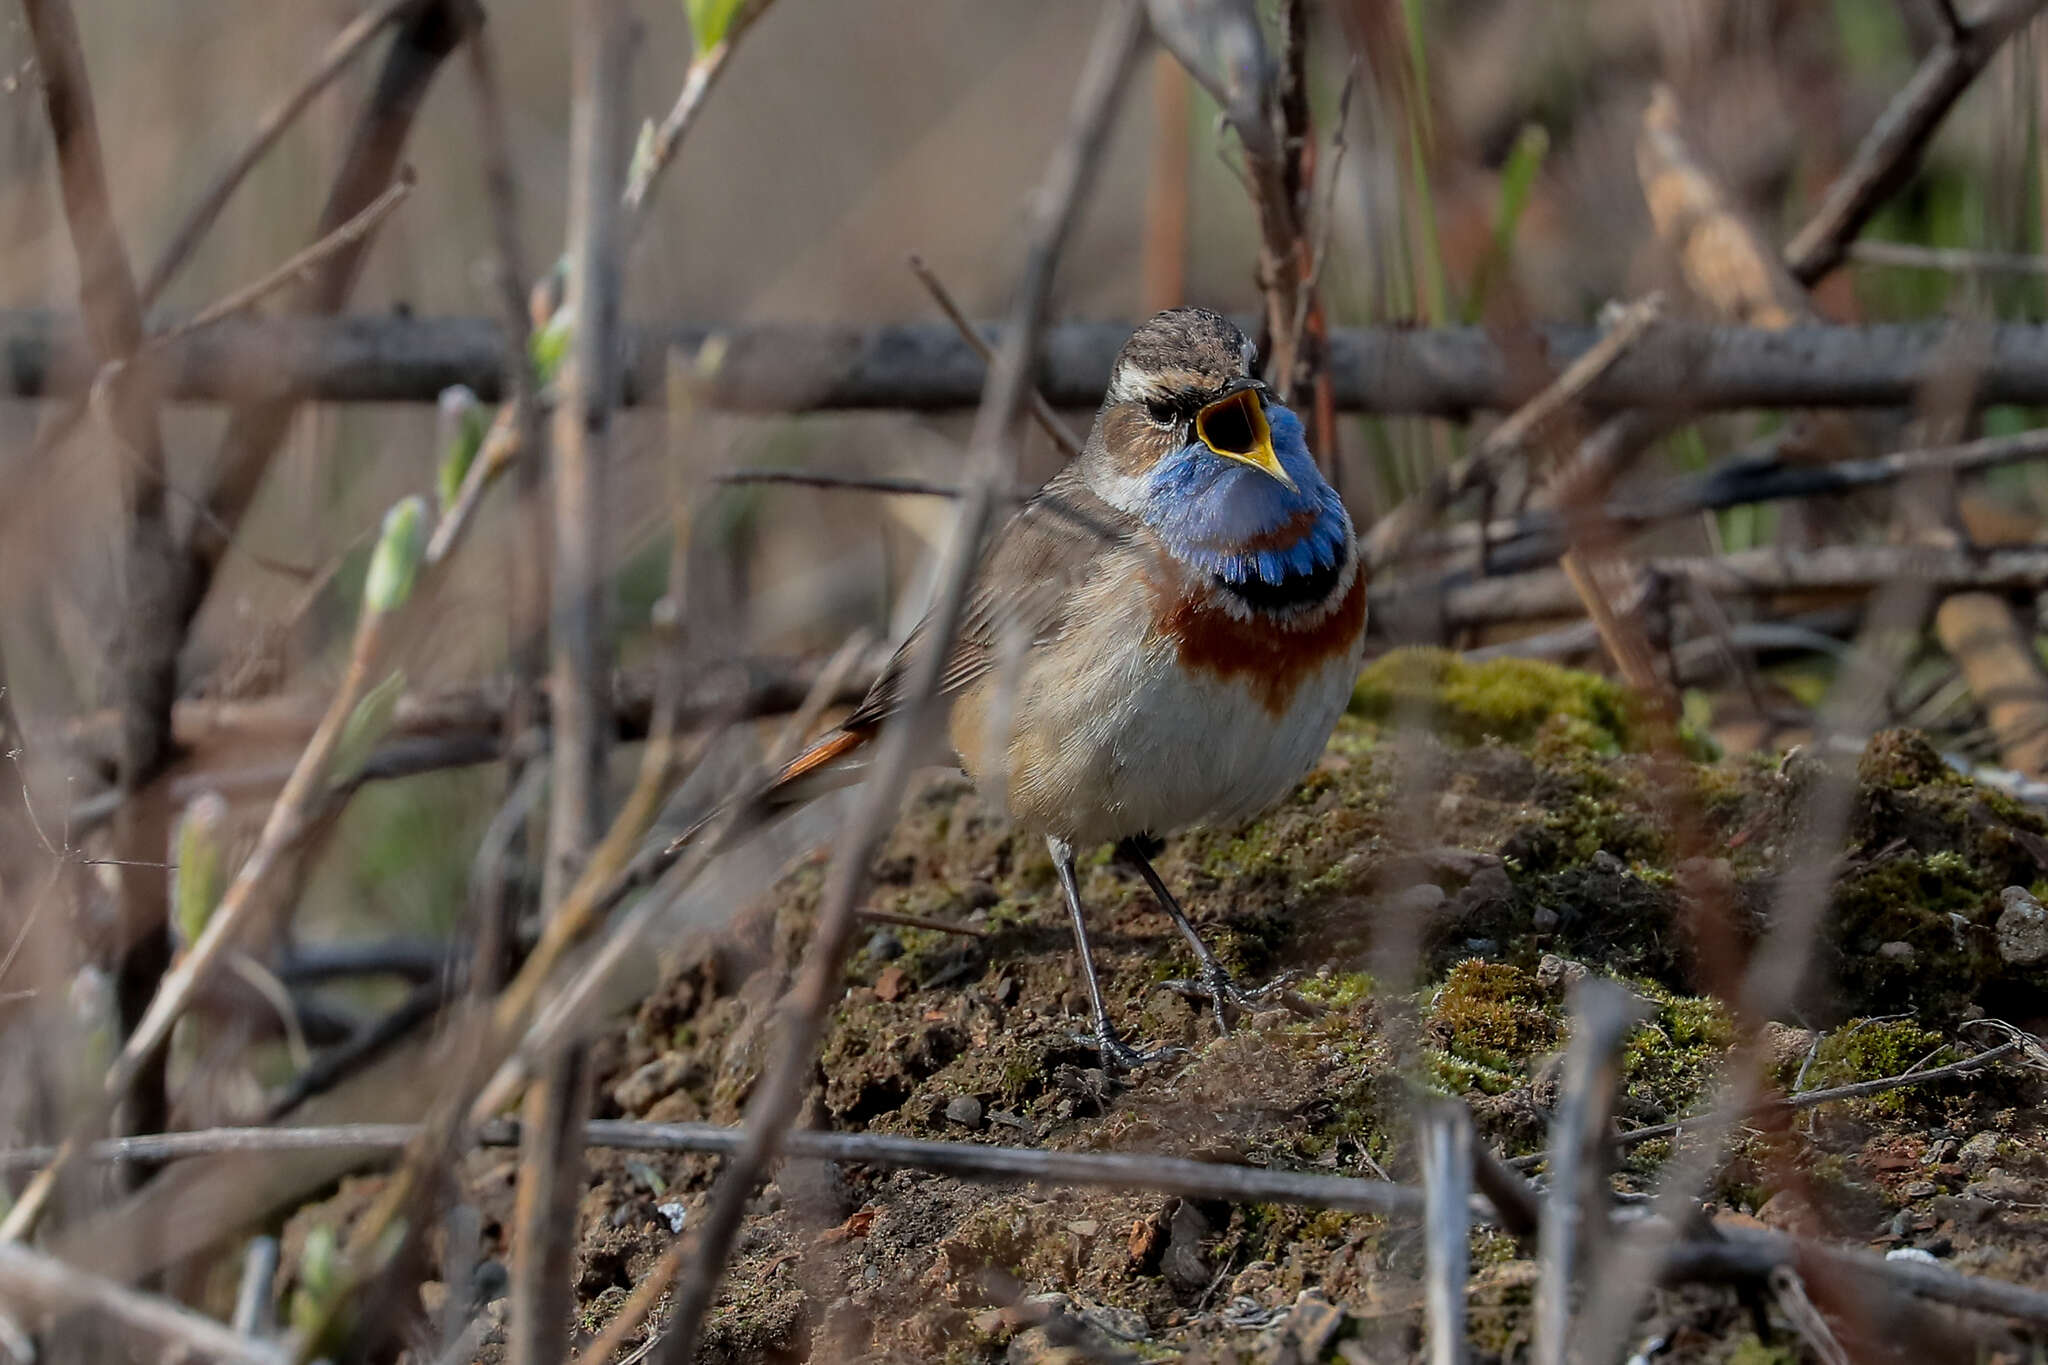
(774, 1105)
(1834, 568)
(271, 125)
(154, 575)
(974, 1160)
(1041, 411)
(1511, 438)
(344, 237)
(1891, 150)
(1540, 536)
(859, 483)
(799, 367)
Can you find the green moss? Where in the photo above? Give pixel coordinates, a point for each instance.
(1490, 1017)
(1339, 990)
(1869, 1050)
(1511, 700)
(1750, 1351)
(1667, 1065)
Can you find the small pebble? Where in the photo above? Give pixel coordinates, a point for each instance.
(1911, 1254)
(885, 946)
(1544, 920)
(1919, 1189)
(2022, 928)
(1980, 1150)
(964, 1110)
(676, 1214)
(1896, 951)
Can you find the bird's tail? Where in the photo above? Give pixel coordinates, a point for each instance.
(833, 761)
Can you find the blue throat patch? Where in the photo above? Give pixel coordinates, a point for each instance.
(1212, 511)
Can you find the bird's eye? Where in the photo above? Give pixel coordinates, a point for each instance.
(1162, 412)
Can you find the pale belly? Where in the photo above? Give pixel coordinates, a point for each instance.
(1126, 742)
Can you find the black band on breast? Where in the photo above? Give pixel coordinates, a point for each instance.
(1292, 592)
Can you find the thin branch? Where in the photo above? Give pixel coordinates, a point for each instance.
(1780, 1105)
(1954, 260)
(973, 1160)
(154, 575)
(270, 126)
(1041, 411)
(1891, 151)
(1681, 368)
(33, 1284)
(342, 238)
(1394, 532)
(773, 1107)
(1548, 593)
(1540, 536)
(652, 160)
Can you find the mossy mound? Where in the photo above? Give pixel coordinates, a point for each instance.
(1525, 844)
(1513, 701)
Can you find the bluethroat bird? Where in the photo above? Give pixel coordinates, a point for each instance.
(1163, 636)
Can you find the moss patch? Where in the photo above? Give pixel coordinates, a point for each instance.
(1510, 700)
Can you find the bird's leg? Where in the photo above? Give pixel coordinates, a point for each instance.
(1216, 983)
(1117, 1055)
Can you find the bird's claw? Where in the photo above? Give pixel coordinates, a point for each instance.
(1221, 990)
(1118, 1055)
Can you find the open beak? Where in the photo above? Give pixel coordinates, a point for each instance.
(1235, 428)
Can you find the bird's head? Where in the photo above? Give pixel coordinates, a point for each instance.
(1192, 443)
(1184, 384)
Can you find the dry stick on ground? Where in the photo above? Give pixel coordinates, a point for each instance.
(1393, 533)
(1602, 1015)
(775, 1104)
(1041, 411)
(651, 160)
(1745, 1252)
(1447, 1219)
(1779, 1105)
(154, 575)
(33, 1285)
(1892, 148)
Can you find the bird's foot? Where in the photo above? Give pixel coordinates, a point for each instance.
(1118, 1055)
(1220, 989)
